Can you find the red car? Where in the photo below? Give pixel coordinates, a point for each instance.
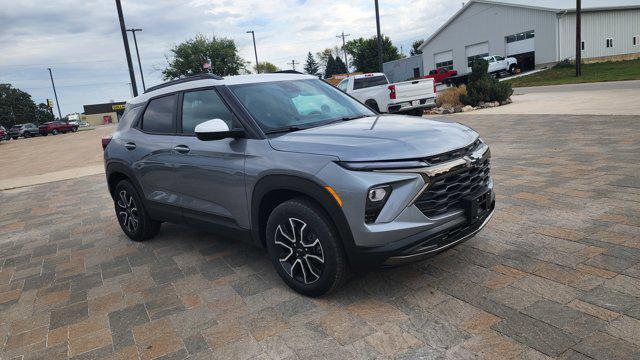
(56, 127)
(438, 75)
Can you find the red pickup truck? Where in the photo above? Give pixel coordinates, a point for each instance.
(438, 75)
(56, 127)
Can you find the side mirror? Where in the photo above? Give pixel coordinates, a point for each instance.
(216, 129)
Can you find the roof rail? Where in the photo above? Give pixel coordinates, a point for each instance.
(287, 72)
(184, 80)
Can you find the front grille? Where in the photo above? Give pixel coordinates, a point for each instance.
(446, 191)
(455, 154)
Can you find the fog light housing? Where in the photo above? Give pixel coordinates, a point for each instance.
(376, 198)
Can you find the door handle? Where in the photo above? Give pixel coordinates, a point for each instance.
(182, 149)
(130, 146)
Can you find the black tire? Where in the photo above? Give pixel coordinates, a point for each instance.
(54, 132)
(131, 214)
(318, 278)
(44, 134)
(74, 129)
(26, 135)
(373, 105)
(14, 137)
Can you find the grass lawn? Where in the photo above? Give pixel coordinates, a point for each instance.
(599, 72)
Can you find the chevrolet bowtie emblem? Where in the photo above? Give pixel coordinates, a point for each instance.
(468, 161)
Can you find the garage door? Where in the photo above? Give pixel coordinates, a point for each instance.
(476, 51)
(444, 60)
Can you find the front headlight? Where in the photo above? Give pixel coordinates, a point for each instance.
(382, 165)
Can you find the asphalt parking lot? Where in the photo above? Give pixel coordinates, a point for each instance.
(556, 274)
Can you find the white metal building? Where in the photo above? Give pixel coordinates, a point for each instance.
(535, 35)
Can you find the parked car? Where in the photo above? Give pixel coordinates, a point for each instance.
(440, 74)
(3, 133)
(291, 164)
(73, 122)
(83, 124)
(374, 90)
(23, 130)
(498, 64)
(56, 127)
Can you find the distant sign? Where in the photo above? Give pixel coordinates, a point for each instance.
(118, 107)
(73, 117)
(49, 103)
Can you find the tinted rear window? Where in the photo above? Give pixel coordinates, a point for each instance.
(367, 82)
(158, 117)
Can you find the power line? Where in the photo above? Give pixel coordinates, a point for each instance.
(59, 63)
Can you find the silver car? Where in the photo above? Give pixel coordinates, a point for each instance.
(292, 164)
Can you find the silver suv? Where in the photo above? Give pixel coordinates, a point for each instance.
(292, 164)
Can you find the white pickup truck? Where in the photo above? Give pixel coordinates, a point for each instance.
(498, 64)
(408, 97)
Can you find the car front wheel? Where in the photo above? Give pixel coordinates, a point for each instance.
(54, 132)
(132, 216)
(304, 247)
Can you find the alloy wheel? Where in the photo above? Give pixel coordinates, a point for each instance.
(301, 255)
(128, 211)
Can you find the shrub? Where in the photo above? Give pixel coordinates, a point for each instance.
(450, 98)
(483, 88)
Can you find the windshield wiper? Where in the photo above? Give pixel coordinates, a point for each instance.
(286, 129)
(345, 118)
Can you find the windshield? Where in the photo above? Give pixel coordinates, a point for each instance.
(298, 104)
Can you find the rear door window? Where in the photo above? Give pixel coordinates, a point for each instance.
(159, 115)
(370, 81)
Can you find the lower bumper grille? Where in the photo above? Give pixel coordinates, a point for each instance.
(445, 193)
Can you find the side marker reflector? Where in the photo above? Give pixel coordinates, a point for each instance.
(334, 194)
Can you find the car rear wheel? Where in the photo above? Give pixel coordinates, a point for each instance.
(74, 129)
(373, 105)
(54, 132)
(513, 69)
(305, 248)
(132, 216)
(26, 135)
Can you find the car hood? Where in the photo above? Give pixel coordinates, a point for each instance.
(375, 138)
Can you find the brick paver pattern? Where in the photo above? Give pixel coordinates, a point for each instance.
(556, 274)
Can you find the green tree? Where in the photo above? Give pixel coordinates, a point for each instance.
(484, 88)
(43, 113)
(189, 57)
(266, 67)
(365, 53)
(311, 66)
(340, 67)
(16, 106)
(330, 68)
(323, 56)
(414, 48)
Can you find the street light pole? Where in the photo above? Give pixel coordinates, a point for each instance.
(255, 50)
(123, 30)
(55, 93)
(379, 36)
(135, 43)
(578, 38)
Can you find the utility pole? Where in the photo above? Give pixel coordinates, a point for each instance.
(379, 36)
(293, 64)
(123, 30)
(135, 43)
(578, 38)
(344, 47)
(255, 50)
(55, 93)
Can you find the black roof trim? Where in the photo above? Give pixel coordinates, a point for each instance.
(286, 72)
(184, 80)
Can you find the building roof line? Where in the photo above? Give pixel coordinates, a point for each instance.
(502, 3)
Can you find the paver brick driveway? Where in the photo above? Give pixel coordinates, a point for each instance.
(555, 274)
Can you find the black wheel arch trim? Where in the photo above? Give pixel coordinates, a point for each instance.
(117, 167)
(309, 188)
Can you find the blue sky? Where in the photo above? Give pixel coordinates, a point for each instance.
(81, 41)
